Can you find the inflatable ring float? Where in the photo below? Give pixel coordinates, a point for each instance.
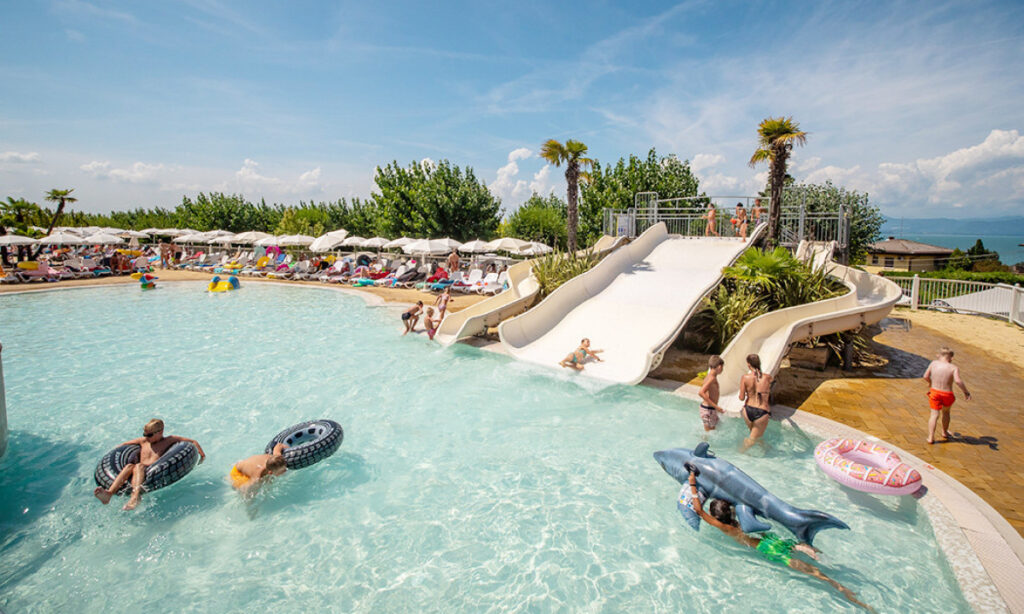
(176, 463)
(219, 285)
(308, 442)
(865, 466)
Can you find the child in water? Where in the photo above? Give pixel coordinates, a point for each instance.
(254, 471)
(709, 392)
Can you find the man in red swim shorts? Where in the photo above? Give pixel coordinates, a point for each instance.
(941, 375)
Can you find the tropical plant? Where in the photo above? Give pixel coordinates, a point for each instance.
(726, 313)
(761, 281)
(434, 200)
(776, 137)
(615, 185)
(573, 155)
(62, 197)
(539, 219)
(556, 268)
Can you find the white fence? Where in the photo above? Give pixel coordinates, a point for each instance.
(957, 296)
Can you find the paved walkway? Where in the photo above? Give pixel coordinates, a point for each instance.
(987, 453)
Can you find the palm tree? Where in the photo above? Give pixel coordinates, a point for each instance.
(57, 196)
(572, 155)
(776, 137)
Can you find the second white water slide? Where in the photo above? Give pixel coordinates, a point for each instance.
(632, 305)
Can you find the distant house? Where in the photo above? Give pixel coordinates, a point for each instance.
(903, 255)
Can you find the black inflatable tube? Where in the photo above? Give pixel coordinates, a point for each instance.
(176, 463)
(308, 442)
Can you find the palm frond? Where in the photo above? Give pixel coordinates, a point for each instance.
(554, 152)
(761, 155)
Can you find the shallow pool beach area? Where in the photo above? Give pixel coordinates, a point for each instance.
(466, 482)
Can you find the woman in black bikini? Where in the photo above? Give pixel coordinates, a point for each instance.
(755, 392)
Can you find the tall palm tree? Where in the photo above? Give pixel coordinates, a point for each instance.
(776, 137)
(62, 197)
(572, 155)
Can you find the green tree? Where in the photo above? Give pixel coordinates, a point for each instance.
(573, 156)
(62, 198)
(865, 219)
(302, 221)
(614, 186)
(776, 137)
(433, 201)
(539, 219)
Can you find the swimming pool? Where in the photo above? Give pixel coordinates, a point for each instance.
(466, 481)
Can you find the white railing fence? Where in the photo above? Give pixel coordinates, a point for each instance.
(958, 296)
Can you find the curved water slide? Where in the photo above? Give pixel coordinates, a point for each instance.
(633, 304)
(521, 292)
(870, 298)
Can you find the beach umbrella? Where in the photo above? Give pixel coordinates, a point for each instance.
(474, 247)
(268, 241)
(224, 240)
(353, 241)
(192, 237)
(132, 234)
(11, 240)
(377, 242)
(220, 233)
(325, 243)
(296, 240)
(250, 237)
(103, 238)
(398, 243)
(109, 230)
(507, 244)
(432, 247)
(61, 237)
(339, 233)
(535, 249)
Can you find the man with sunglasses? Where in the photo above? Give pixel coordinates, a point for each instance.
(152, 445)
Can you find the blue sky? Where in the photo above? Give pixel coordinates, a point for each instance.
(136, 104)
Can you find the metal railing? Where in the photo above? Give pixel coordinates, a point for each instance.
(689, 217)
(959, 296)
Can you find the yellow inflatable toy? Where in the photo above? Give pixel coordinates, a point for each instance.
(219, 285)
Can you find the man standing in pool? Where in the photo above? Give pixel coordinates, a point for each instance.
(248, 474)
(941, 375)
(152, 445)
(769, 545)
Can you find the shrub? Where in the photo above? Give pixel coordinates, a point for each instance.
(556, 268)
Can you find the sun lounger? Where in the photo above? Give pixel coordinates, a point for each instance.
(469, 283)
(495, 287)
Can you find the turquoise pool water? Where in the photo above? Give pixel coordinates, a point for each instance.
(467, 482)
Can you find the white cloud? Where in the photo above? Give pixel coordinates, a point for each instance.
(835, 174)
(702, 161)
(139, 172)
(310, 177)
(542, 183)
(249, 177)
(15, 157)
(428, 164)
(507, 186)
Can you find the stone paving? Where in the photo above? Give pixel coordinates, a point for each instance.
(888, 401)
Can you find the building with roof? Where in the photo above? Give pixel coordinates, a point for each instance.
(895, 254)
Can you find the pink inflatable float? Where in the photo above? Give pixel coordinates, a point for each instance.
(866, 466)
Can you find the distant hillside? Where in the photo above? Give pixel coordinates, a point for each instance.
(1012, 225)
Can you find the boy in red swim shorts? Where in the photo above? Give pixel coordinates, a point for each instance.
(941, 375)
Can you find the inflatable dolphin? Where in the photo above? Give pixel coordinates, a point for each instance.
(719, 479)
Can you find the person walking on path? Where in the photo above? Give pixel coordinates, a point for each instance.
(941, 375)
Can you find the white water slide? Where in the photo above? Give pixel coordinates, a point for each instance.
(633, 304)
(520, 294)
(869, 299)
